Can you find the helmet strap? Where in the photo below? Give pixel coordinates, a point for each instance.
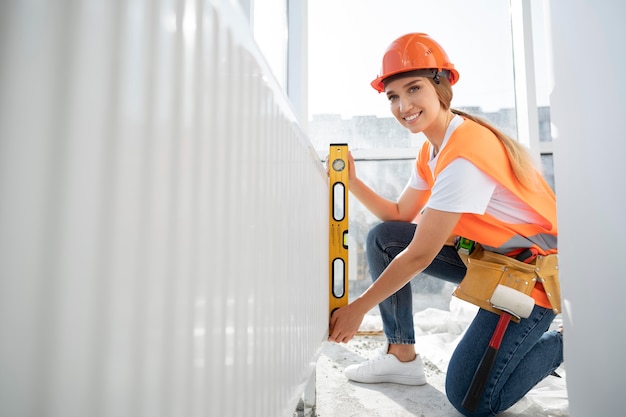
(432, 73)
(437, 73)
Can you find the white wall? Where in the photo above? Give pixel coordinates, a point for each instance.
(588, 107)
(163, 217)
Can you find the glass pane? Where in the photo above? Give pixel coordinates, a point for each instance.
(547, 162)
(270, 31)
(388, 178)
(346, 42)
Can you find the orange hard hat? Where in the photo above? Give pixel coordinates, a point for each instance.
(415, 51)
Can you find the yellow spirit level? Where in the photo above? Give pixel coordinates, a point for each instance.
(338, 226)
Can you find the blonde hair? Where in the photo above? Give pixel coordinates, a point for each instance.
(523, 165)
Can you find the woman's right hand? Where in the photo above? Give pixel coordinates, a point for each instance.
(345, 323)
(351, 167)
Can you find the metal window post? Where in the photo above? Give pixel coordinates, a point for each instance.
(524, 75)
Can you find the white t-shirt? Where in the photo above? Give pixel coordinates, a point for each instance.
(461, 187)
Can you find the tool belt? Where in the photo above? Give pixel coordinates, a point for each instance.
(485, 270)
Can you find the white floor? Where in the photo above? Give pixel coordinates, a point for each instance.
(437, 332)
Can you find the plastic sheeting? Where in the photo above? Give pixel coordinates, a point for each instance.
(437, 334)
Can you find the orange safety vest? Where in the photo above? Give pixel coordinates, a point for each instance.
(481, 147)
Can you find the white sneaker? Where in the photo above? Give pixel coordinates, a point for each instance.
(387, 368)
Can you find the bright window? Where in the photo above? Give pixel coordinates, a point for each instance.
(346, 42)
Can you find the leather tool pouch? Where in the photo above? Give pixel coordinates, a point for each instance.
(485, 270)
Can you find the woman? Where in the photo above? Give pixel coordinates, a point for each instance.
(469, 180)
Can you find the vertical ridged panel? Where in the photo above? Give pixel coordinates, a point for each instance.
(163, 218)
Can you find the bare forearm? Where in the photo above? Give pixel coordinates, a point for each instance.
(430, 236)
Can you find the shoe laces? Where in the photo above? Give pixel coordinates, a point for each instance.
(377, 358)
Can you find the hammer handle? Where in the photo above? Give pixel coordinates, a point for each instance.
(479, 381)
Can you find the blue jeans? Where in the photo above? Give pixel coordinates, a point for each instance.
(528, 352)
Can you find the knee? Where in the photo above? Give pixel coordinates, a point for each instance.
(456, 388)
(454, 394)
(376, 241)
(456, 399)
(373, 236)
(386, 232)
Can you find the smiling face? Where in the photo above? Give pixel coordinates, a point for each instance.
(415, 103)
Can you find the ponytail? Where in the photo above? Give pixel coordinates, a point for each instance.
(522, 163)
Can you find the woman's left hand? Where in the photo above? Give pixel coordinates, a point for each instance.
(344, 323)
